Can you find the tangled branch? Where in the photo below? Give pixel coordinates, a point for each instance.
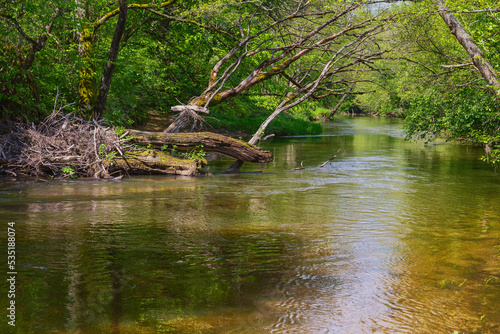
(61, 145)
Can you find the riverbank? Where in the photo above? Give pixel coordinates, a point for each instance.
(64, 146)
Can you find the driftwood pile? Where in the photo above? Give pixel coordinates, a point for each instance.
(66, 146)
(62, 146)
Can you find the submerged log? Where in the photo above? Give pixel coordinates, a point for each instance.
(212, 142)
(156, 162)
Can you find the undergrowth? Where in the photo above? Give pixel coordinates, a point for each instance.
(246, 115)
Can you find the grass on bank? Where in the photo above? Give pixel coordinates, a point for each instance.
(248, 113)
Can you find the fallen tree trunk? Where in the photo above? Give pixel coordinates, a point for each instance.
(156, 162)
(212, 142)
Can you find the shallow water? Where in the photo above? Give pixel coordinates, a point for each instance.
(390, 237)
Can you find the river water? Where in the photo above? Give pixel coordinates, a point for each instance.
(390, 237)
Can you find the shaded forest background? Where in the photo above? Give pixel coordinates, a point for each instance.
(304, 60)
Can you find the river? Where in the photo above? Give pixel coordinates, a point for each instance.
(390, 237)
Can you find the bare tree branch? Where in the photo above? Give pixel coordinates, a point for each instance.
(478, 58)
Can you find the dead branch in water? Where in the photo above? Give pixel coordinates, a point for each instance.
(301, 166)
(322, 165)
(329, 160)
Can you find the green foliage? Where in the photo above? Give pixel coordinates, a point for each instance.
(438, 101)
(158, 62)
(102, 149)
(32, 72)
(173, 151)
(310, 110)
(164, 60)
(119, 130)
(196, 153)
(483, 26)
(246, 114)
(68, 172)
(106, 153)
(466, 114)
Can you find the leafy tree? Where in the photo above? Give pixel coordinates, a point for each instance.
(93, 100)
(294, 42)
(467, 41)
(61, 47)
(437, 82)
(27, 49)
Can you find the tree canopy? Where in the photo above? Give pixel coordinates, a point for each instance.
(435, 63)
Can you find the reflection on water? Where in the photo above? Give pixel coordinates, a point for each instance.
(391, 237)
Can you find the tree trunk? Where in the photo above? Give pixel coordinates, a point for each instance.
(235, 168)
(342, 99)
(87, 85)
(88, 94)
(477, 56)
(26, 63)
(110, 66)
(156, 162)
(209, 142)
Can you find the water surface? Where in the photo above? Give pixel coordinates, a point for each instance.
(390, 237)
